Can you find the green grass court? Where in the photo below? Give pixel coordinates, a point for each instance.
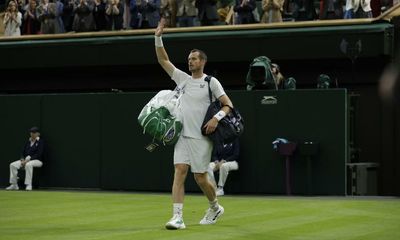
(82, 215)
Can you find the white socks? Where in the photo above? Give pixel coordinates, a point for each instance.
(178, 209)
(214, 204)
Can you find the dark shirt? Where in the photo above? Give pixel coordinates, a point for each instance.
(35, 151)
(228, 152)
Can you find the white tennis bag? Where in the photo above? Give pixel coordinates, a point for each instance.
(161, 117)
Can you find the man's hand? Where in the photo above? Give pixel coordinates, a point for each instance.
(216, 167)
(211, 125)
(23, 162)
(220, 163)
(160, 28)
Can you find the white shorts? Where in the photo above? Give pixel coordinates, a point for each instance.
(194, 152)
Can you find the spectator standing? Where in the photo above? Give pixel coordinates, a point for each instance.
(331, 9)
(68, 14)
(47, 13)
(358, 9)
(244, 11)
(99, 15)
(12, 20)
(168, 10)
(186, 13)
(272, 11)
(114, 15)
(31, 24)
(83, 19)
(207, 10)
(150, 10)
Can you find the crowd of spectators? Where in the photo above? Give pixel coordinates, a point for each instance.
(21, 17)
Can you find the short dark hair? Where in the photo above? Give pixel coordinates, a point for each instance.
(34, 129)
(202, 54)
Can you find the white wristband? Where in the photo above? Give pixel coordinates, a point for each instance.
(220, 115)
(158, 41)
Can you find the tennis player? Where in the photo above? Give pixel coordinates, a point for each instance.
(193, 150)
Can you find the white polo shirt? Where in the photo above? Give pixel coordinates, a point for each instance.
(195, 101)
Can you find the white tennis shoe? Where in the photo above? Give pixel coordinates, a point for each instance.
(212, 216)
(175, 223)
(220, 192)
(12, 187)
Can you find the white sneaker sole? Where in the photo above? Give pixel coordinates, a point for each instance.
(174, 227)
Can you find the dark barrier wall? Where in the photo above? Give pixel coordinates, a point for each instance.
(277, 43)
(94, 141)
(128, 62)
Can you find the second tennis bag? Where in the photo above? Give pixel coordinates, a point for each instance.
(229, 128)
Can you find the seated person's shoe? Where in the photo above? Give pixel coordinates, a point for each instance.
(12, 187)
(219, 192)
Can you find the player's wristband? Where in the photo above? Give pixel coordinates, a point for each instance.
(220, 115)
(158, 41)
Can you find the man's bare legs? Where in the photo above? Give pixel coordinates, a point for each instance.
(178, 195)
(205, 185)
(215, 211)
(178, 187)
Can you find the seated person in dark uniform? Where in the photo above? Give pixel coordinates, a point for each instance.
(224, 159)
(31, 157)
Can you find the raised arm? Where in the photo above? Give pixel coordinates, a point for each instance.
(162, 55)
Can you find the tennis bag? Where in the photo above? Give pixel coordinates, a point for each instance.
(160, 117)
(259, 74)
(229, 128)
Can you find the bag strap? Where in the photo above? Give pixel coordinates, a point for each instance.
(179, 89)
(208, 79)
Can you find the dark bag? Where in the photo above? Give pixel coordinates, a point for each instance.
(260, 75)
(229, 128)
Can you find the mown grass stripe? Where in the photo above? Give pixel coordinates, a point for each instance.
(79, 215)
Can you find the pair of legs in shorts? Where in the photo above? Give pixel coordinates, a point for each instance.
(196, 154)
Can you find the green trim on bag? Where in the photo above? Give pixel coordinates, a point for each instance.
(162, 126)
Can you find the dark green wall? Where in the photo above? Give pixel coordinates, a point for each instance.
(72, 127)
(94, 141)
(300, 115)
(127, 59)
(243, 44)
(17, 115)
